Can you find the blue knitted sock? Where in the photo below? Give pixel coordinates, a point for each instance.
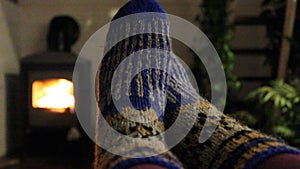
(136, 92)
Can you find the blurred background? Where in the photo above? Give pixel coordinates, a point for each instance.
(258, 42)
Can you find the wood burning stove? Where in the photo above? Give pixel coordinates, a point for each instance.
(48, 99)
(48, 87)
(48, 104)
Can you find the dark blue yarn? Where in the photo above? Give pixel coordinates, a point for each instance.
(139, 6)
(148, 160)
(162, 46)
(143, 103)
(129, 47)
(259, 157)
(234, 156)
(153, 44)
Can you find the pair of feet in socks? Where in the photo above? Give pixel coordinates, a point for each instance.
(155, 96)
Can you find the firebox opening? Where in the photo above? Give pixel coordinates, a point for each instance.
(55, 95)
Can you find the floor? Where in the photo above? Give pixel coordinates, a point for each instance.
(78, 155)
(45, 163)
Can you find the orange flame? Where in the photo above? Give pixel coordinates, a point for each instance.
(53, 94)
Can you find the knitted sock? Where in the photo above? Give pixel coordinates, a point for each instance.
(146, 90)
(231, 145)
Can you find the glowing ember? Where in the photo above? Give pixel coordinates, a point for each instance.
(53, 94)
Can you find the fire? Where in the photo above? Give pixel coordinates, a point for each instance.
(53, 94)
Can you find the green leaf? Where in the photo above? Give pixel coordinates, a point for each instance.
(276, 101)
(289, 104)
(296, 99)
(268, 96)
(282, 102)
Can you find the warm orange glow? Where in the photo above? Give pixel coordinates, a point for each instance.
(53, 94)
